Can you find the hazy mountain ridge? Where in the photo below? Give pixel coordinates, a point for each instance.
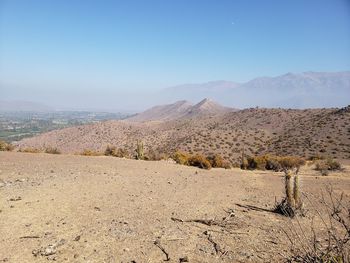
(291, 90)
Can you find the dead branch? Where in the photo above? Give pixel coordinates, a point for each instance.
(157, 243)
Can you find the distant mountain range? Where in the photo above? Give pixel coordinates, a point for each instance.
(291, 90)
(181, 110)
(304, 90)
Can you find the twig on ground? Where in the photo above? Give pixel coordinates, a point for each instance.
(157, 243)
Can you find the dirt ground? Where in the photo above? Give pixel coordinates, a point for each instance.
(69, 208)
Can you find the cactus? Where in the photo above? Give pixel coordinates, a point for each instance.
(292, 203)
(289, 188)
(139, 150)
(296, 193)
(244, 161)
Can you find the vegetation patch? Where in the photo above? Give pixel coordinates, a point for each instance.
(52, 150)
(327, 165)
(88, 152)
(4, 146)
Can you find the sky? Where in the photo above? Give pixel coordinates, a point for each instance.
(109, 54)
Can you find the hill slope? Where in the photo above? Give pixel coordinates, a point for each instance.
(280, 131)
(180, 110)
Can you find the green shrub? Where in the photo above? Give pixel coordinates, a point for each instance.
(4, 146)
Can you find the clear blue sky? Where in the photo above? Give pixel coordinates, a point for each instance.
(93, 45)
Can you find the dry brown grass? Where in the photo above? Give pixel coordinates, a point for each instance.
(4, 146)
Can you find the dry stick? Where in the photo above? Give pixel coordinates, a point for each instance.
(157, 243)
(216, 245)
(208, 222)
(29, 237)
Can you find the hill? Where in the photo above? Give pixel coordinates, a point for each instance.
(305, 133)
(180, 110)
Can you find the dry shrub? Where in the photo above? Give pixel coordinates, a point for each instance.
(200, 161)
(113, 151)
(329, 164)
(217, 161)
(275, 163)
(88, 152)
(196, 160)
(291, 162)
(155, 156)
(331, 242)
(30, 150)
(4, 146)
(181, 157)
(52, 150)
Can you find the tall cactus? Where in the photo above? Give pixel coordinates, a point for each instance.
(244, 161)
(139, 150)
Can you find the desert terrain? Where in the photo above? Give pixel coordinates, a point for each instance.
(70, 208)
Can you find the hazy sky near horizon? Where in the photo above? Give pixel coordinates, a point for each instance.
(59, 52)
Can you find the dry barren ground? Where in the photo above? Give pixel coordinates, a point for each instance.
(103, 209)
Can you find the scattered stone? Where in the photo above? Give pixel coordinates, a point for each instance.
(184, 259)
(20, 180)
(77, 238)
(49, 250)
(97, 208)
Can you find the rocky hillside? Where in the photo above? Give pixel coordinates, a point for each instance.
(281, 131)
(181, 110)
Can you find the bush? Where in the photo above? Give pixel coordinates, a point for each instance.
(200, 161)
(196, 160)
(155, 156)
(30, 150)
(275, 163)
(329, 164)
(113, 151)
(181, 158)
(4, 146)
(87, 152)
(217, 161)
(52, 150)
(290, 162)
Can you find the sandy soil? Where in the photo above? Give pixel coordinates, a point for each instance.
(103, 209)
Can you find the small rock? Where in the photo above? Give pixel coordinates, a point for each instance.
(77, 238)
(97, 208)
(49, 250)
(184, 259)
